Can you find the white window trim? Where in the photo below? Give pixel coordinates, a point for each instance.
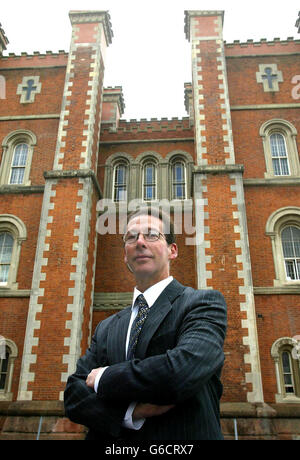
(13, 225)
(276, 350)
(6, 395)
(289, 133)
(284, 217)
(9, 143)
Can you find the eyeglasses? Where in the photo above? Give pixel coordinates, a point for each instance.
(150, 236)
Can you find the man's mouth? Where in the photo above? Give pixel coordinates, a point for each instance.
(142, 257)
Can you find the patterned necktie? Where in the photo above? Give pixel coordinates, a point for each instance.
(137, 325)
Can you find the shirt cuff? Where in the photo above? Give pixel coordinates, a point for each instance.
(128, 421)
(98, 376)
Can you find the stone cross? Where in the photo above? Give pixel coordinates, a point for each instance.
(269, 76)
(29, 87)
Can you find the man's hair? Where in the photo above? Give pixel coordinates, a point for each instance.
(153, 211)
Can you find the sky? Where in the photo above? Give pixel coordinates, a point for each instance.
(150, 56)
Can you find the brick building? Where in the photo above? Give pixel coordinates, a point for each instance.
(71, 166)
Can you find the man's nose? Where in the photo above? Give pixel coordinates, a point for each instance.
(141, 239)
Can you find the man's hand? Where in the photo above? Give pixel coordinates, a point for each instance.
(90, 380)
(145, 410)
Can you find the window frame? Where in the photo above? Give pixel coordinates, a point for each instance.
(289, 133)
(152, 163)
(117, 165)
(13, 225)
(279, 157)
(6, 393)
(288, 258)
(9, 144)
(277, 222)
(280, 346)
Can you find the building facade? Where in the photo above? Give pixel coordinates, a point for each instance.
(229, 173)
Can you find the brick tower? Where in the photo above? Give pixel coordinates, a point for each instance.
(59, 317)
(223, 260)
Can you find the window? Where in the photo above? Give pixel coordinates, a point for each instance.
(149, 192)
(290, 237)
(287, 371)
(280, 148)
(17, 156)
(178, 181)
(4, 369)
(19, 164)
(6, 248)
(283, 227)
(120, 182)
(8, 353)
(279, 155)
(12, 234)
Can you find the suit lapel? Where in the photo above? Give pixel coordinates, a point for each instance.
(157, 313)
(116, 339)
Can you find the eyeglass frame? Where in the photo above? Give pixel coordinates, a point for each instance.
(137, 234)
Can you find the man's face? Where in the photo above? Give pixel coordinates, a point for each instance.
(149, 261)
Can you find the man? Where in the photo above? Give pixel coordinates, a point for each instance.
(159, 379)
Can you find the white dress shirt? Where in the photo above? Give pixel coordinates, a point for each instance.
(151, 294)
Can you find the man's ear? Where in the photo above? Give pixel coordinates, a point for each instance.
(173, 251)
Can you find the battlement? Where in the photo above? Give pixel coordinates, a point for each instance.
(262, 47)
(36, 59)
(157, 128)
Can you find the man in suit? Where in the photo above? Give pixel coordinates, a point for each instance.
(153, 370)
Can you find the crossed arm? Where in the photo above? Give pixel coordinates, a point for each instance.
(157, 382)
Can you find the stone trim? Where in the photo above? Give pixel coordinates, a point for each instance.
(282, 181)
(30, 340)
(265, 106)
(103, 17)
(246, 289)
(112, 300)
(30, 117)
(81, 173)
(188, 14)
(275, 290)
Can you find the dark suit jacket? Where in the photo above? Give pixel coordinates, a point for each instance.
(178, 361)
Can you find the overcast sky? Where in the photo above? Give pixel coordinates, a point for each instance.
(149, 56)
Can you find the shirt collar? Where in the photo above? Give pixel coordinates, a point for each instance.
(153, 292)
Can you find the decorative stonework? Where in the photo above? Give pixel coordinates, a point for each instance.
(28, 89)
(270, 77)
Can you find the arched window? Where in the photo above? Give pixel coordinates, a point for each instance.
(18, 164)
(17, 156)
(280, 148)
(8, 353)
(4, 360)
(12, 234)
(178, 180)
(149, 181)
(287, 373)
(6, 249)
(287, 370)
(283, 227)
(279, 155)
(120, 182)
(290, 237)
